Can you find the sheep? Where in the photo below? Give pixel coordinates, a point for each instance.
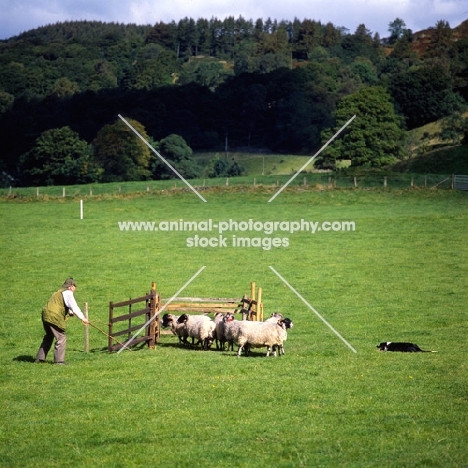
(274, 318)
(218, 334)
(259, 334)
(177, 329)
(233, 326)
(222, 322)
(200, 327)
(231, 330)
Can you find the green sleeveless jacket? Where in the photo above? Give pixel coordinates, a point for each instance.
(55, 310)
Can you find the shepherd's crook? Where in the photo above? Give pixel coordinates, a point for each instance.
(108, 336)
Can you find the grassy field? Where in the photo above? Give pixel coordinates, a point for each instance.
(401, 275)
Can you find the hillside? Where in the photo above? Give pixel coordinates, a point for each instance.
(285, 87)
(439, 161)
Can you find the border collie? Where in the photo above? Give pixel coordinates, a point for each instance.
(402, 347)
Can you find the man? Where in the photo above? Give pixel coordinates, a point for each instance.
(54, 316)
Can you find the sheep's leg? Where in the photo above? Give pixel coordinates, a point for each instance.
(239, 351)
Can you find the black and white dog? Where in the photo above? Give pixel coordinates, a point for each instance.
(402, 347)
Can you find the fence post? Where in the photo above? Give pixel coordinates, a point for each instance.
(259, 306)
(227, 181)
(385, 181)
(355, 181)
(453, 181)
(91, 191)
(425, 181)
(305, 181)
(37, 191)
(9, 191)
(111, 316)
(255, 181)
(86, 329)
(412, 182)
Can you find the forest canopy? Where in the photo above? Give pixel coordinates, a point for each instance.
(277, 86)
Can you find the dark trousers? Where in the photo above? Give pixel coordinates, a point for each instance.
(52, 332)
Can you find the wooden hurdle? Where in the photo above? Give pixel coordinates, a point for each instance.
(251, 307)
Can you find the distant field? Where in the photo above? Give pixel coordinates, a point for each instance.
(401, 275)
(260, 164)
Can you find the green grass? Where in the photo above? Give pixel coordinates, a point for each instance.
(401, 276)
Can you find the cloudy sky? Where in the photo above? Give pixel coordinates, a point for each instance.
(17, 16)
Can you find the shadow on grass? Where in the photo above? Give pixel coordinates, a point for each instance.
(24, 358)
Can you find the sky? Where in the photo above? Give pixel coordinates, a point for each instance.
(17, 16)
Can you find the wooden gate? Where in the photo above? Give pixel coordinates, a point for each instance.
(151, 303)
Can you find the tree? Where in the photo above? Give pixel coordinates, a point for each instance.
(175, 150)
(424, 95)
(396, 28)
(60, 157)
(120, 152)
(373, 139)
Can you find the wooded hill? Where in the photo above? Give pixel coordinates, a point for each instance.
(277, 86)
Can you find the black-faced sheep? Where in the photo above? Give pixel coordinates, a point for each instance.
(198, 327)
(178, 329)
(259, 334)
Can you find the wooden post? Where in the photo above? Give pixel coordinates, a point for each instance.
(111, 316)
(37, 191)
(259, 306)
(355, 181)
(425, 181)
(305, 181)
(412, 182)
(154, 325)
(385, 181)
(9, 191)
(252, 296)
(255, 181)
(91, 191)
(453, 181)
(86, 329)
(227, 181)
(63, 192)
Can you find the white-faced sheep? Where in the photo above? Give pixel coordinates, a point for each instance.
(198, 327)
(259, 334)
(219, 335)
(178, 329)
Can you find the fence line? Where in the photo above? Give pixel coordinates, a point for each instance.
(317, 180)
